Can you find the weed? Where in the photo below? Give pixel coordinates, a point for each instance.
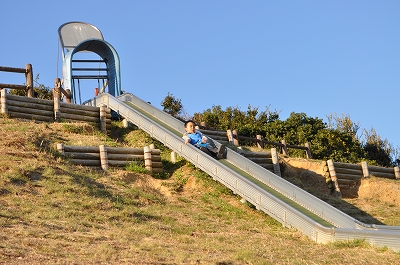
(78, 128)
(136, 166)
(356, 243)
(179, 180)
(161, 175)
(18, 180)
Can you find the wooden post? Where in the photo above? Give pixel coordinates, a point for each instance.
(235, 138)
(152, 146)
(284, 148)
(68, 96)
(125, 123)
(260, 143)
(103, 157)
(365, 169)
(56, 109)
(332, 173)
(60, 148)
(4, 101)
(397, 172)
(275, 161)
(147, 159)
(103, 119)
(230, 136)
(29, 80)
(57, 98)
(308, 151)
(173, 157)
(57, 88)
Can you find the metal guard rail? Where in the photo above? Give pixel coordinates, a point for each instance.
(294, 193)
(347, 228)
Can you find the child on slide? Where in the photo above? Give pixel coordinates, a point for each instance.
(200, 141)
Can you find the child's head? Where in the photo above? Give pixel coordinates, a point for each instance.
(190, 126)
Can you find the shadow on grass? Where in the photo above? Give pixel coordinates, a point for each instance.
(316, 185)
(169, 169)
(144, 217)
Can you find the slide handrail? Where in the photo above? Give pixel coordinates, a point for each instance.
(294, 193)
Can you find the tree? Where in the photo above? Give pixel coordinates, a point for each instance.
(172, 105)
(377, 149)
(336, 145)
(39, 90)
(343, 124)
(246, 123)
(337, 140)
(396, 157)
(297, 129)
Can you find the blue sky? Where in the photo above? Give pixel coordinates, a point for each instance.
(311, 56)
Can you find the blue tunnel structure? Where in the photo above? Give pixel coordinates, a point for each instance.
(78, 37)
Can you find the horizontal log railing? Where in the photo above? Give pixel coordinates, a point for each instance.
(268, 160)
(231, 136)
(28, 76)
(53, 110)
(346, 175)
(382, 172)
(105, 157)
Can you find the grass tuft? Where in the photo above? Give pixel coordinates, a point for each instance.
(356, 243)
(136, 166)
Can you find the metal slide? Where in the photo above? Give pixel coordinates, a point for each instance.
(285, 202)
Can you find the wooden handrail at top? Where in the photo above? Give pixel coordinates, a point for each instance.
(13, 69)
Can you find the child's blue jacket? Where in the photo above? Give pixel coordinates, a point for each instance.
(195, 139)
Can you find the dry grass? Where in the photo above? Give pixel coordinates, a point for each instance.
(56, 213)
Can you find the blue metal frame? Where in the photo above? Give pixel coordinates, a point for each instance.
(110, 56)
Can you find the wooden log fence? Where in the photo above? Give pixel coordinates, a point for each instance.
(231, 136)
(58, 91)
(268, 160)
(382, 172)
(53, 110)
(346, 175)
(28, 71)
(105, 157)
(220, 136)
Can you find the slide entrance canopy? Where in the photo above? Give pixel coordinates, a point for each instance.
(78, 37)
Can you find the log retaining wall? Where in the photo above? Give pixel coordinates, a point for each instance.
(104, 157)
(346, 175)
(53, 110)
(268, 160)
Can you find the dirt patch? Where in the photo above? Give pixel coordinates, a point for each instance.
(181, 181)
(383, 189)
(191, 184)
(144, 181)
(305, 165)
(309, 174)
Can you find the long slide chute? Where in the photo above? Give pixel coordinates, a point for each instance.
(280, 199)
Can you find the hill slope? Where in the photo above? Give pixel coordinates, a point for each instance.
(53, 212)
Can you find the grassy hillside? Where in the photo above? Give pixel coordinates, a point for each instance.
(52, 212)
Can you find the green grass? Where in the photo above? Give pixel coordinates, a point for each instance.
(137, 166)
